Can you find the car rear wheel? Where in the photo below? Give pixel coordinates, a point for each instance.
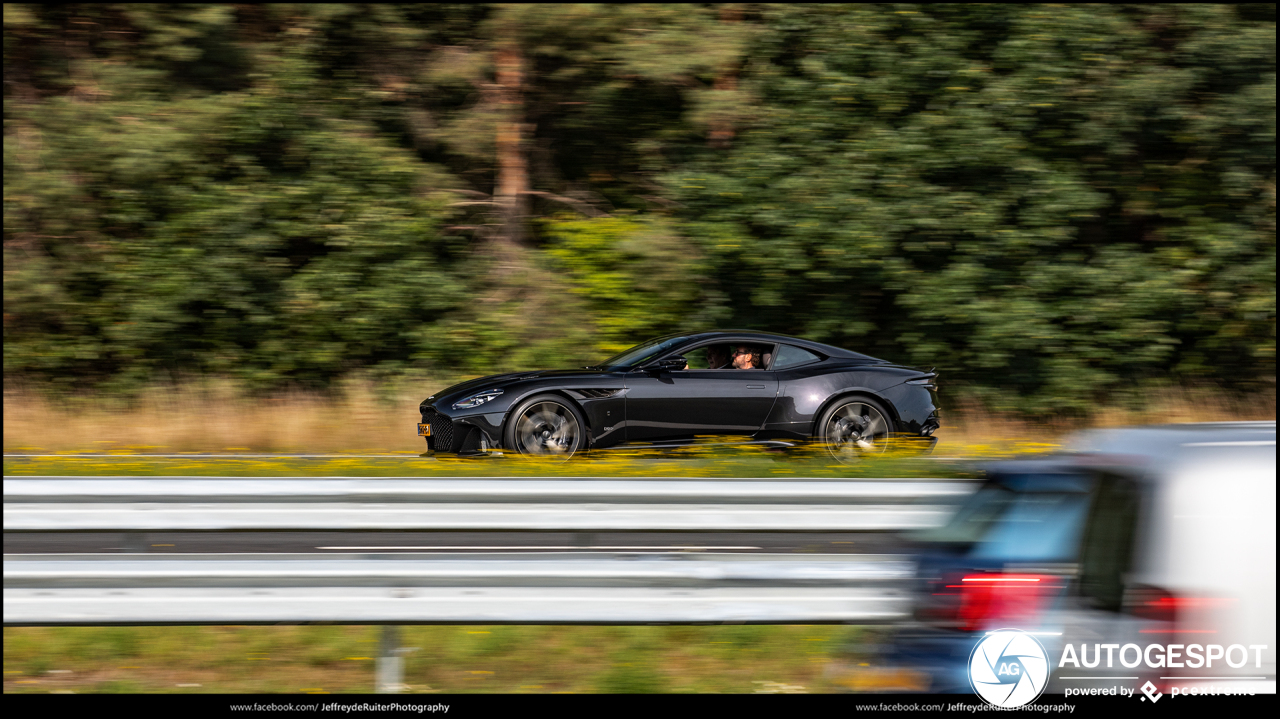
(547, 426)
(855, 428)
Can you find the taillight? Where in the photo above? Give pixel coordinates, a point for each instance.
(1180, 614)
(975, 602)
(1153, 603)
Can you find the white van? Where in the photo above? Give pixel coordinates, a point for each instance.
(1162, 535)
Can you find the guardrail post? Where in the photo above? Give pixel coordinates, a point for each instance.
(390, 666)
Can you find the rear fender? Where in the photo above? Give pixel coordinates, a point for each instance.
(853, 394)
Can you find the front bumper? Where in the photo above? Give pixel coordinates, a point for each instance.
(465, 435)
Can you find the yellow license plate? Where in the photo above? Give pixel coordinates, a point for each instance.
(424, 429)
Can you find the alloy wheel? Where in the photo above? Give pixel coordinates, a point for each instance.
(547, 429)
(856, 430)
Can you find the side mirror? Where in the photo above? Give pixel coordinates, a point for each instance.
(668, 364)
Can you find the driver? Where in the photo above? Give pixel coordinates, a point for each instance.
(746, 358)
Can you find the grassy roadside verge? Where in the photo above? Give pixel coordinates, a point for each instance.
(686, 462)
(443, 659)
(365, 418)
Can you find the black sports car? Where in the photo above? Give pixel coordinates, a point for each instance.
(674, 388)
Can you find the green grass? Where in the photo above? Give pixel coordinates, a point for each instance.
(445, 659)
(688, 462)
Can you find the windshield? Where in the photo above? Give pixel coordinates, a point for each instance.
(1040, 527)
(642, 352)
(998, 523)
(972, 520)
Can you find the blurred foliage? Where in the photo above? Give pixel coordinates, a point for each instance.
(639, 278)
(1049, 203)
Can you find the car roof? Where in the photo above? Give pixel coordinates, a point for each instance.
(1150, 449)
(756, 335)
(1161, 440)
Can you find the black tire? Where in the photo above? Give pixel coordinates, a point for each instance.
(854, 428)
(547, 425)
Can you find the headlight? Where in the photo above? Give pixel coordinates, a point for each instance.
(477, 399)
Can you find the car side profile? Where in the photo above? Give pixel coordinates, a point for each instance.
(756, 385)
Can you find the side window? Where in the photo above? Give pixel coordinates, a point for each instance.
(709, 357)
(1108, 542)
(789, 356)
(748, 355)
(698, 358)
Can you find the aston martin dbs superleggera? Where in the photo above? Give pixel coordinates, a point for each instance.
(756, 385)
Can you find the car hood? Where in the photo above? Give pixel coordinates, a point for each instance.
(502, 381)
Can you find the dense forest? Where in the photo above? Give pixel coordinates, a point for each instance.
(1051, 204)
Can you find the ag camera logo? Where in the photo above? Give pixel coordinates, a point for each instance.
(1009, 668)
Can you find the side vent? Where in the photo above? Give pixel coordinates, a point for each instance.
(470, 442)
(598, 393)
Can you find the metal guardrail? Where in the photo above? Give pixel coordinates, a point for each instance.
(485, 589)
(578, 587)
(392, 589)
(130, 504)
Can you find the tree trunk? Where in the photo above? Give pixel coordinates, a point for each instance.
(512, 186)
(722, 130)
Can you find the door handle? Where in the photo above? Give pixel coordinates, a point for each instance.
(755, 386)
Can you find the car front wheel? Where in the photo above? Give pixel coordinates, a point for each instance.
(855, 428)
(546, 426)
